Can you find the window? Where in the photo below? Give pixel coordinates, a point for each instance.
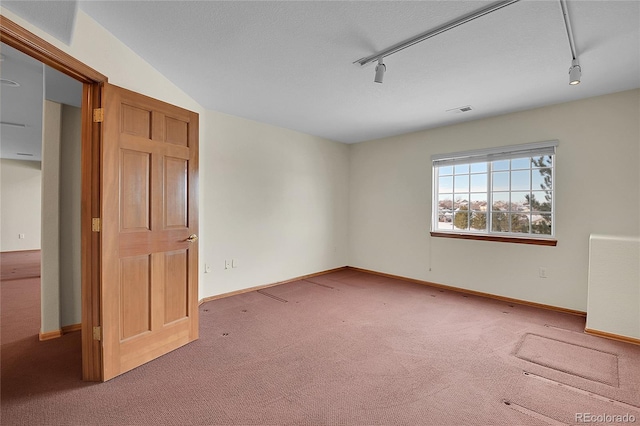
(501, 192)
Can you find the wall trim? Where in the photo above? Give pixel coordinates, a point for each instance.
(475, 293)
(49, 335)
(612, 336)
(20, 251)
(71, 328)
(260, 287)
(58, 333)
(398, 277)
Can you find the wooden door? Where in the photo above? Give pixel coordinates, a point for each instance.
(149, 263)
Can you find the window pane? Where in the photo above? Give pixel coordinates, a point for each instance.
(500, 165)
(446, 170)
(445, 184)
(541, 201)
(541, 224)
(500, 181)
(461, 168)
(520, 180)
(479, 183)
(541, 179)
(445, 219)
(478, 202)
(500, 222)
(479, 168)
(445, 202)
(520, 163)
(461, 219)
(462, 183)
(460, 203)
(519, 202)
(500, 201)
(520, 223)
(544, 161)
(478, 221)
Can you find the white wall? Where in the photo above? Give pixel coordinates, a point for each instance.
(276, 200)
(20, 204)
(597, 191)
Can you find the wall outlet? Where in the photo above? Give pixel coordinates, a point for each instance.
(21, 236)
(227, 264)
(542, 272)
(234, 263)
(207, 268)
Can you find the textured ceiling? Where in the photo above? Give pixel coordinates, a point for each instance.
(291, 63)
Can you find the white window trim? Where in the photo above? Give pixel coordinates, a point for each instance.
(488, 155)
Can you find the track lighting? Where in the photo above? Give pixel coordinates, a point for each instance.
(575, 72)
(380, 69)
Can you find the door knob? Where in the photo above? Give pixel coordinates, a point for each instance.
(192, 238)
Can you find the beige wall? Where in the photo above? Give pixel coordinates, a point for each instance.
(275, 200)
(614, 292)
(20, 204)
(50, 279)
(70, 209)
(597, 191)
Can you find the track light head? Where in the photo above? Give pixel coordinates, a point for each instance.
(380, 69)
(575, 73)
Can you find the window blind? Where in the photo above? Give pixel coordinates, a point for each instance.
(536, 149)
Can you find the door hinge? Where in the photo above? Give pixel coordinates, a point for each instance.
(98, 115)
(97, 333)
(96, 224)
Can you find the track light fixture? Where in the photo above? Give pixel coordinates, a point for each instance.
(380, 70)
(575, 72)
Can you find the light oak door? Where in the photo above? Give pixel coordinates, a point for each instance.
(149, 248)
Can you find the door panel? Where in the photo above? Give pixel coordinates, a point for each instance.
(135, 296)
(176, 288)
(135, 190)
(175, 193)
(149, 282)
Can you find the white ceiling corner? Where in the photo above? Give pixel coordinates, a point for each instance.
(56, 17)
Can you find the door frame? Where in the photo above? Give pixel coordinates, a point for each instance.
(25, 41)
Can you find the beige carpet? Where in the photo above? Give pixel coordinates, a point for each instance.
(346, 348)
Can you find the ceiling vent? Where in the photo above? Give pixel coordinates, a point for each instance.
(10, 83)
(458, 110)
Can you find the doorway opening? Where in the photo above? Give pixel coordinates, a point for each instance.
(41, 176)
(28, 43)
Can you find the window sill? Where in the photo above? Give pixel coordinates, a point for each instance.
(497, 238)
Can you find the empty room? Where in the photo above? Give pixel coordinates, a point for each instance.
(320, 212)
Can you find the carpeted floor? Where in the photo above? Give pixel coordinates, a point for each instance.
(17, 265)
(347, 348)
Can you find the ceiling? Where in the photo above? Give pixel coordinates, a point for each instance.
(21, 104)
(290, 63)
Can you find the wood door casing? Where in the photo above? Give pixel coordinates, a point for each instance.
(149, 186)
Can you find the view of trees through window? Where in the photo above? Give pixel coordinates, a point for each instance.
(504, 196)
